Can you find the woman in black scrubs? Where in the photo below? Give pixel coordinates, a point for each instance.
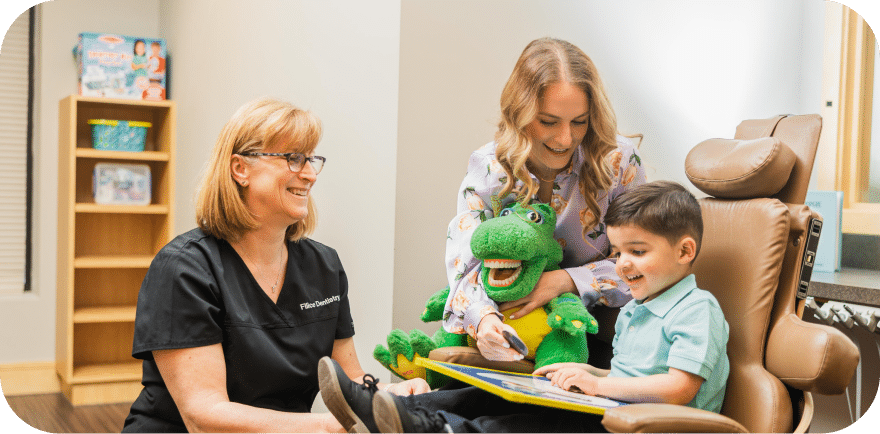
(233, 316)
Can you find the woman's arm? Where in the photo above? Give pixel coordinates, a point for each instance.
(468, 301)
(196, 379)
(344, 353)
(469, 308)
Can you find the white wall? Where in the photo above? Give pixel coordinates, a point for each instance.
(27, 322)
(336, 58)
(678, 72)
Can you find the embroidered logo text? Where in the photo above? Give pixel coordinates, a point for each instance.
(304, 306)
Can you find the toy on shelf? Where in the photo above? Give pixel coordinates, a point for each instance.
(113, 135)
(121, 184)
(118, 66)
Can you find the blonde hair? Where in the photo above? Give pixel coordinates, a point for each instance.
(265, 124)
(544, 62)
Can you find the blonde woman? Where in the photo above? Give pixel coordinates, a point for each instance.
(557, 143)
(233, 316)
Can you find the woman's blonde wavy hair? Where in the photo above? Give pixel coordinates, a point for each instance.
(544, 62)
(262, 125)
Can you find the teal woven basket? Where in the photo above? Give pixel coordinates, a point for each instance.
(113, 135)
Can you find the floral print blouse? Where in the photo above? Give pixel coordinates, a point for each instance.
(583, 255)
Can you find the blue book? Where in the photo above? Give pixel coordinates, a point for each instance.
(829, 204)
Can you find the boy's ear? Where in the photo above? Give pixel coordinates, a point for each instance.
(687, 250)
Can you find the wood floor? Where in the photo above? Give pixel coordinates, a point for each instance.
(53, 413)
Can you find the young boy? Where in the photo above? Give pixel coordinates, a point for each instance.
(670, 342)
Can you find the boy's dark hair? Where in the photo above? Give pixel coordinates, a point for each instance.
(663, 208)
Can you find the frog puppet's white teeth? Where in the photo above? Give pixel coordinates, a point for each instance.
(502, 272)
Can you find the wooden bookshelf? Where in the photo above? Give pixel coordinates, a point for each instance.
(104, 251)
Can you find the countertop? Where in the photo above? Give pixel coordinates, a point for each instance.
(847, 285)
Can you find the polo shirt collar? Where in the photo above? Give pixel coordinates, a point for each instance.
(661, 305)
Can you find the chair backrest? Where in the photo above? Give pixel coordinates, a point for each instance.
(753, 245)
(740, 263)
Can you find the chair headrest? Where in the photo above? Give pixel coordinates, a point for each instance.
(740, 169)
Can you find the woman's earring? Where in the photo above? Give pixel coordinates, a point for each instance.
(244, 183)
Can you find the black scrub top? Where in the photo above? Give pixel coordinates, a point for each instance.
(199, 292)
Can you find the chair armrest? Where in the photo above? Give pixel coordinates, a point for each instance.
(667, 418)
(826, 358)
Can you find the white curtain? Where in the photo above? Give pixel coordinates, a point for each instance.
(14, 60)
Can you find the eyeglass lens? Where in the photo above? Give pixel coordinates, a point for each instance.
(297, 162)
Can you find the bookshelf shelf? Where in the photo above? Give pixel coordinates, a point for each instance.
(121, 209)
(104, 314)
(121, 155)
(106, 372)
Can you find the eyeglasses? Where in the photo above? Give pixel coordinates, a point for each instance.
(295, 160)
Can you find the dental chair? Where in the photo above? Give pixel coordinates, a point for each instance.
(756, 256)
(758, 246)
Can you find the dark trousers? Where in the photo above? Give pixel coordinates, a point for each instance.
(470, 409)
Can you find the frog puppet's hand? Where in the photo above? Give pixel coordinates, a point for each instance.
(568, 314)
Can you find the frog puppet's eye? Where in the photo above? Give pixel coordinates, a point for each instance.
(505, 212)
(535, 217)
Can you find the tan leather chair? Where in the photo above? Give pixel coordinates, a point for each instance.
(754, 244)
(755, 240)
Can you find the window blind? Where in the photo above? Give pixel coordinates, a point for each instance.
(15, 59)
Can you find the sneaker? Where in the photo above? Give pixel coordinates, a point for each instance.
(391, 415)
(351, 403)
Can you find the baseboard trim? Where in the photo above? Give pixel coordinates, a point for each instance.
(29, 378)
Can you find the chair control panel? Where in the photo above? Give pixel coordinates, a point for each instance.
(812, 244)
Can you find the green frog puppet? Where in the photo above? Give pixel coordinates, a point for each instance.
(515, 247)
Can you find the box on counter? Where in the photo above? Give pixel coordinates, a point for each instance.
(117, 66)
(122, 184)
(829, 204)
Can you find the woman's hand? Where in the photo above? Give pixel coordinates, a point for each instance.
(414, 386)
(550, 285)
(491, 342)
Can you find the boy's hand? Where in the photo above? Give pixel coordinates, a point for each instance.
(549, 369)
(585, 366)
(569, 378)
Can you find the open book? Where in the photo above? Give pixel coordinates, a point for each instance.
(522, 388)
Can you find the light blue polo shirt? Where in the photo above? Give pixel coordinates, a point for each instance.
(683, 328)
